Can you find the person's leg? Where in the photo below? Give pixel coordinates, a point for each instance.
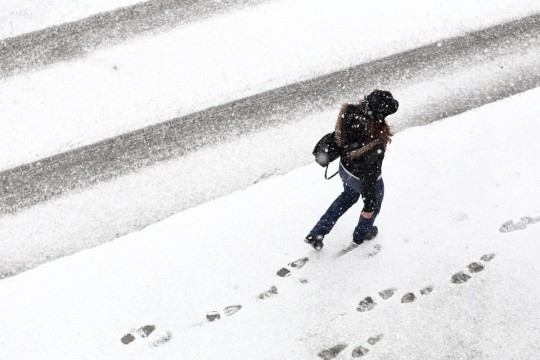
(365, 225)
(344, 201)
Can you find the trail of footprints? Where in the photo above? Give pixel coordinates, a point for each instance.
(520, 225)
(369, 303)
(475, 267)
(158, 340)
(300, 263)
(357, 352)
(145, 332)
(285, 272)
(366, 304)
(211, 316)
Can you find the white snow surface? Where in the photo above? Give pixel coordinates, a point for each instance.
(450, 186)
(23, 16)
(82, 219)
(154, 79)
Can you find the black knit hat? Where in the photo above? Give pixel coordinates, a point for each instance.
(382, 103)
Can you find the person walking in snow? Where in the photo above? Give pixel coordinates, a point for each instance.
(362, 135)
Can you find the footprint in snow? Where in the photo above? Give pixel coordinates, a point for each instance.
(387, 294)
(147, 331)
(426, 291)
(411, 297)
(376, 249)
(473, 268)
(371, 252)
(274, 291)
(268, 293)
(332, 352)
(162, 339)
(228, 311)
(297, 264)
(357, 352)
(408, 298)
(520, 225)
(361, 351)
(487, 257)
(300, 263)
(368, 303)
(143, 332)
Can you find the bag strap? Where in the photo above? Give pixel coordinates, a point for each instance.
(359, 152)
(355, 154)
(326, 174)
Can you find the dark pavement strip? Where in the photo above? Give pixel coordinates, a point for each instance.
(48, 178)
(73, 40)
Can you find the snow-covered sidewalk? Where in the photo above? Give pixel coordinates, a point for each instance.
(211, 62)
(450, 188)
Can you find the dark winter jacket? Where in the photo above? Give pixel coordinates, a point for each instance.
(351, 134)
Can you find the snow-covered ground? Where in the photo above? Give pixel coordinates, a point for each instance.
(82, 219)
(450, 188)
(23, 16)
(154, 79)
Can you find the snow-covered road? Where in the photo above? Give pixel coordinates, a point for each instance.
(208, 63)
(435, 81)
(452, 188)
(107, 23)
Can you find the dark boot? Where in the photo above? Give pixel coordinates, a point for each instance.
(374, 231)
(315, 241)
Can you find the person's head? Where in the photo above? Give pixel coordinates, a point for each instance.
(375, 108)
(379, 104)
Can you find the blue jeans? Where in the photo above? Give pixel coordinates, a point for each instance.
(352, 189)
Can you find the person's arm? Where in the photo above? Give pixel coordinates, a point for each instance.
(369, 196)
(374, 160)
